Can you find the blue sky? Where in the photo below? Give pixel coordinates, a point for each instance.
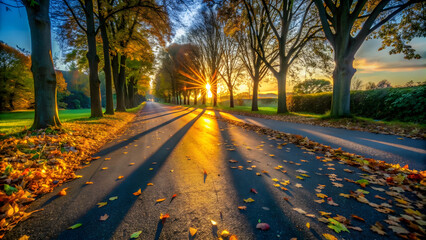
(372, 65)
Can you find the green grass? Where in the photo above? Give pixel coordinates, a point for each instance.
(16, 121)
(136, 109)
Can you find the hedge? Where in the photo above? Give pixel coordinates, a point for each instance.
(403, 104)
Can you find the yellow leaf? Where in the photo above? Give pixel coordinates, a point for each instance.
(249, 200)
(101, 204)
(213, 222)
(299, 177)
(329, 236)
(25, 237)
(308, 225)
(120, 177)
(276, 185)
(321, 195)
(274, 179)
(225, 234)
(106, 159)
(324, 213)
(345, 195)
(104, 168)
(192, 231)
(130, 164)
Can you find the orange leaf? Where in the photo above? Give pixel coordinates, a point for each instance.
(88, 183)
(160, 200)
(204, 171)
(357, 218)
(192, 231)
(164, 217)
(233, 237)
(63, 192)
(174, 195)
(139, 192)
(242, 207)
(150, 184)
(120, 177)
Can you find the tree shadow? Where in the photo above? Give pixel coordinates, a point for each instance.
(169, 113)
(243, 181)
(137, 136)
(137, 180)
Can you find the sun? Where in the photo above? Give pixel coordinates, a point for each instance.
(209, 93)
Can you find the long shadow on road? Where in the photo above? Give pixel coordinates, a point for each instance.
(276, 217)
(137, 136)
(137, 180)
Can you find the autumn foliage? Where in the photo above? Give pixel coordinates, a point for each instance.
(35, 162)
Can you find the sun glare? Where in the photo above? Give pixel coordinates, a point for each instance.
(209, 93)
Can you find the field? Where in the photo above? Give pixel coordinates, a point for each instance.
(15, 121)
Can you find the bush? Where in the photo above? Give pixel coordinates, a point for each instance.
(313, 103)
(403, 104)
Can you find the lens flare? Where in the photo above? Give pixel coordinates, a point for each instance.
(209, 93)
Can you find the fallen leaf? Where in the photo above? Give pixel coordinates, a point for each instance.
(253, 191)
(298, 185)
(324, 213)
(319, 201)
(329, 236)
(164, 217)
(242, 207)
(150, 184)
(135, 235)
(174, 195)
(224, 234)
(101, 204)
(263, 226)
(378, 228)
(249, 200)
(331, 202)
(113, 198)
(104, 168)
(233, 237)
(299, 211)
(275, 179)
(214, 223)
(337, 226)
(24, 237)
(75, 226)
(308, 225)
(131, 164)
(160, 200)
(357, 218)
(89, 183)
(192, 231)
(204, 171)
(355, 228)
(63, 192)
(104, 217)
(399, 230)
(233, 161)
(137, 193)
(345, 195)
(106, 159)
(321, 195)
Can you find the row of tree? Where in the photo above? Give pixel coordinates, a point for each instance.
(280, 37)
(117, 34)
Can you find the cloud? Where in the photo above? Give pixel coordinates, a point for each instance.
(364, 65)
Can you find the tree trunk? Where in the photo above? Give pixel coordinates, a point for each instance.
(46, 108)
(231, 97)
(92, 57)
(204, 97)
(214, 93)
(254, 100)
(342, 75)
(195, 97)
(131, 94)
(121, 102)
(107, 63)
(126, 94)
(282, 101)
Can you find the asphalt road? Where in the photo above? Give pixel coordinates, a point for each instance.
(171, 147)
(389, 148)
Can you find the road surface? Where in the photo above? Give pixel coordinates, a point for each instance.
(171, 147)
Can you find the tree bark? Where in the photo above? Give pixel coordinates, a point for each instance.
(231, 97)
(107, 62)
(214, 93)
(342, 75)
(254, 100)
(46, 108)
(195, 97)
(282, 101)
(92, 57)
(204, 97)
(121, 102)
